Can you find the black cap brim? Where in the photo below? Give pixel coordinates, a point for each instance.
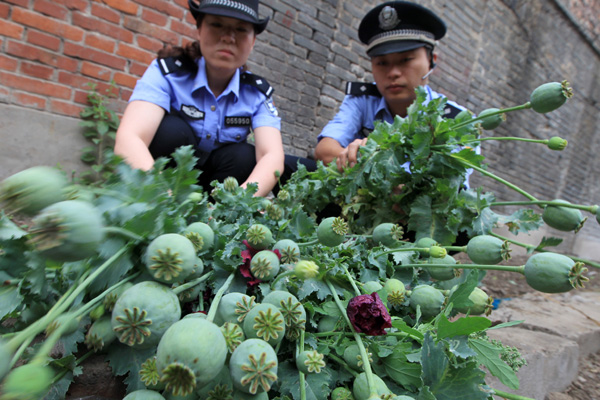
(398, 46)
(196, 10)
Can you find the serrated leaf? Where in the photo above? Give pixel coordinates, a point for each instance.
(447, 382)
(459, 346)
(460, 327)
(317, 386)
(401, 371)
(488, 354)
(125, 360)
(10, 299)
(59, 390)
(310, 286)
(8, 230)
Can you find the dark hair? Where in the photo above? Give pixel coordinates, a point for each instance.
(191, 50)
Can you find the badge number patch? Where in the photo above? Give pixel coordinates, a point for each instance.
(238, 121)
(192, 112)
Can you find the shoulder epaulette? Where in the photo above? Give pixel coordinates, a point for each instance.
(169, 65)
(451, 111)
(362, 89)
(258, 82)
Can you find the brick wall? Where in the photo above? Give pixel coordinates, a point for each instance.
(495, 53)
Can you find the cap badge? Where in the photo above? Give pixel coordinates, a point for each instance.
(388, 18)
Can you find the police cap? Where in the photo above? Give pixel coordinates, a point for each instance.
(398, 26)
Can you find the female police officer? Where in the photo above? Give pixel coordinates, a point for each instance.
(203, 96)
(400, 38)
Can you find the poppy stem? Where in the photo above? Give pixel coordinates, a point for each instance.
(357, 338)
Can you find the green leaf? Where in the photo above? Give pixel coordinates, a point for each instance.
(10, 299)
(126, 360)
(399, 369)
(402, 326)
(310, 286)
(488, 354)
(317, 386)
(447, 382)
(8, 230)
(460, 327)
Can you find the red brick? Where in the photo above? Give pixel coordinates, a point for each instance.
(80, 97)
(134, 53)
(149, 44)
(22, 3)
(51, 9)
(8, 64)
(67, 64)
(100, 42)
(95, 71)
(154, 18)
(4, 10)
(185, 29)
(10, 29)
(44, 40)
(108, 14)
(136, 25)
(166, 7)
(46, 24)
(137, 69)
(75, 81)
(126, 94)
(31, 53)
(126, 80)
(65, 108)
(85, 53)
(36, 70)
(94, 25)
(125, 6)
(79, 5)
(34, 85)
(29, 100)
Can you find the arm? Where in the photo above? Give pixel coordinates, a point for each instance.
(269, 158)
(136, 130)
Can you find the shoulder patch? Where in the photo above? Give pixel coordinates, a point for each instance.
(258, 82)
(362, 89)
(170, 65)
(451, 111)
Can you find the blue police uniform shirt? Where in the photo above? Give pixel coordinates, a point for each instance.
(358, 113)
(227, 118)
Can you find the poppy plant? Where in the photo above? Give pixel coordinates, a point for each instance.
(368, 314)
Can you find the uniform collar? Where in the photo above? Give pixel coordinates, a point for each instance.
(202, 82)
(383, 113)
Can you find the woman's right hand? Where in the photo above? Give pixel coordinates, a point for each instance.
(136, 131)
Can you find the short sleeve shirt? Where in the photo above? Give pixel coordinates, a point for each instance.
(228, 118)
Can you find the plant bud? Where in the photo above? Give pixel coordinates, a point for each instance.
(437, 252)
(230, 184)
(557, 143)
(305, 269)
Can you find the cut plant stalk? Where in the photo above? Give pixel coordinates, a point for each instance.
(495, 177)
(532, 248)
(212, 311)
(358, 339)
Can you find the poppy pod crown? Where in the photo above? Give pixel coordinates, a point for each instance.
(245, 10)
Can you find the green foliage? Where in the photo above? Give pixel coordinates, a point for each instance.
(100, 127)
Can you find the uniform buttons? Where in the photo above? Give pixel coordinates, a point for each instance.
(213, 108)
(208, 136)
(238, 137)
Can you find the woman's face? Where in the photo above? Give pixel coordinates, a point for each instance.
(397, 75)
(225, 42)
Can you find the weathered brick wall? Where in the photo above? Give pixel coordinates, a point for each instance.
(495, 53)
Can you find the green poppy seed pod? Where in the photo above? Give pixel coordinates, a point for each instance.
(230, 184)
(557, 143)
(305, 269)
(27, 382)
(493, 121)
(550, 96)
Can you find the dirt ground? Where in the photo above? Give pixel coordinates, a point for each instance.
(501, 284)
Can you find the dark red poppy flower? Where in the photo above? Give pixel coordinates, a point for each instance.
(368, 314)
(245, 267)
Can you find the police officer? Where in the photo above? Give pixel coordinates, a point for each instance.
(203, 96)
(400, 38)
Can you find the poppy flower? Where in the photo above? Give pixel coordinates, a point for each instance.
(368, 314)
